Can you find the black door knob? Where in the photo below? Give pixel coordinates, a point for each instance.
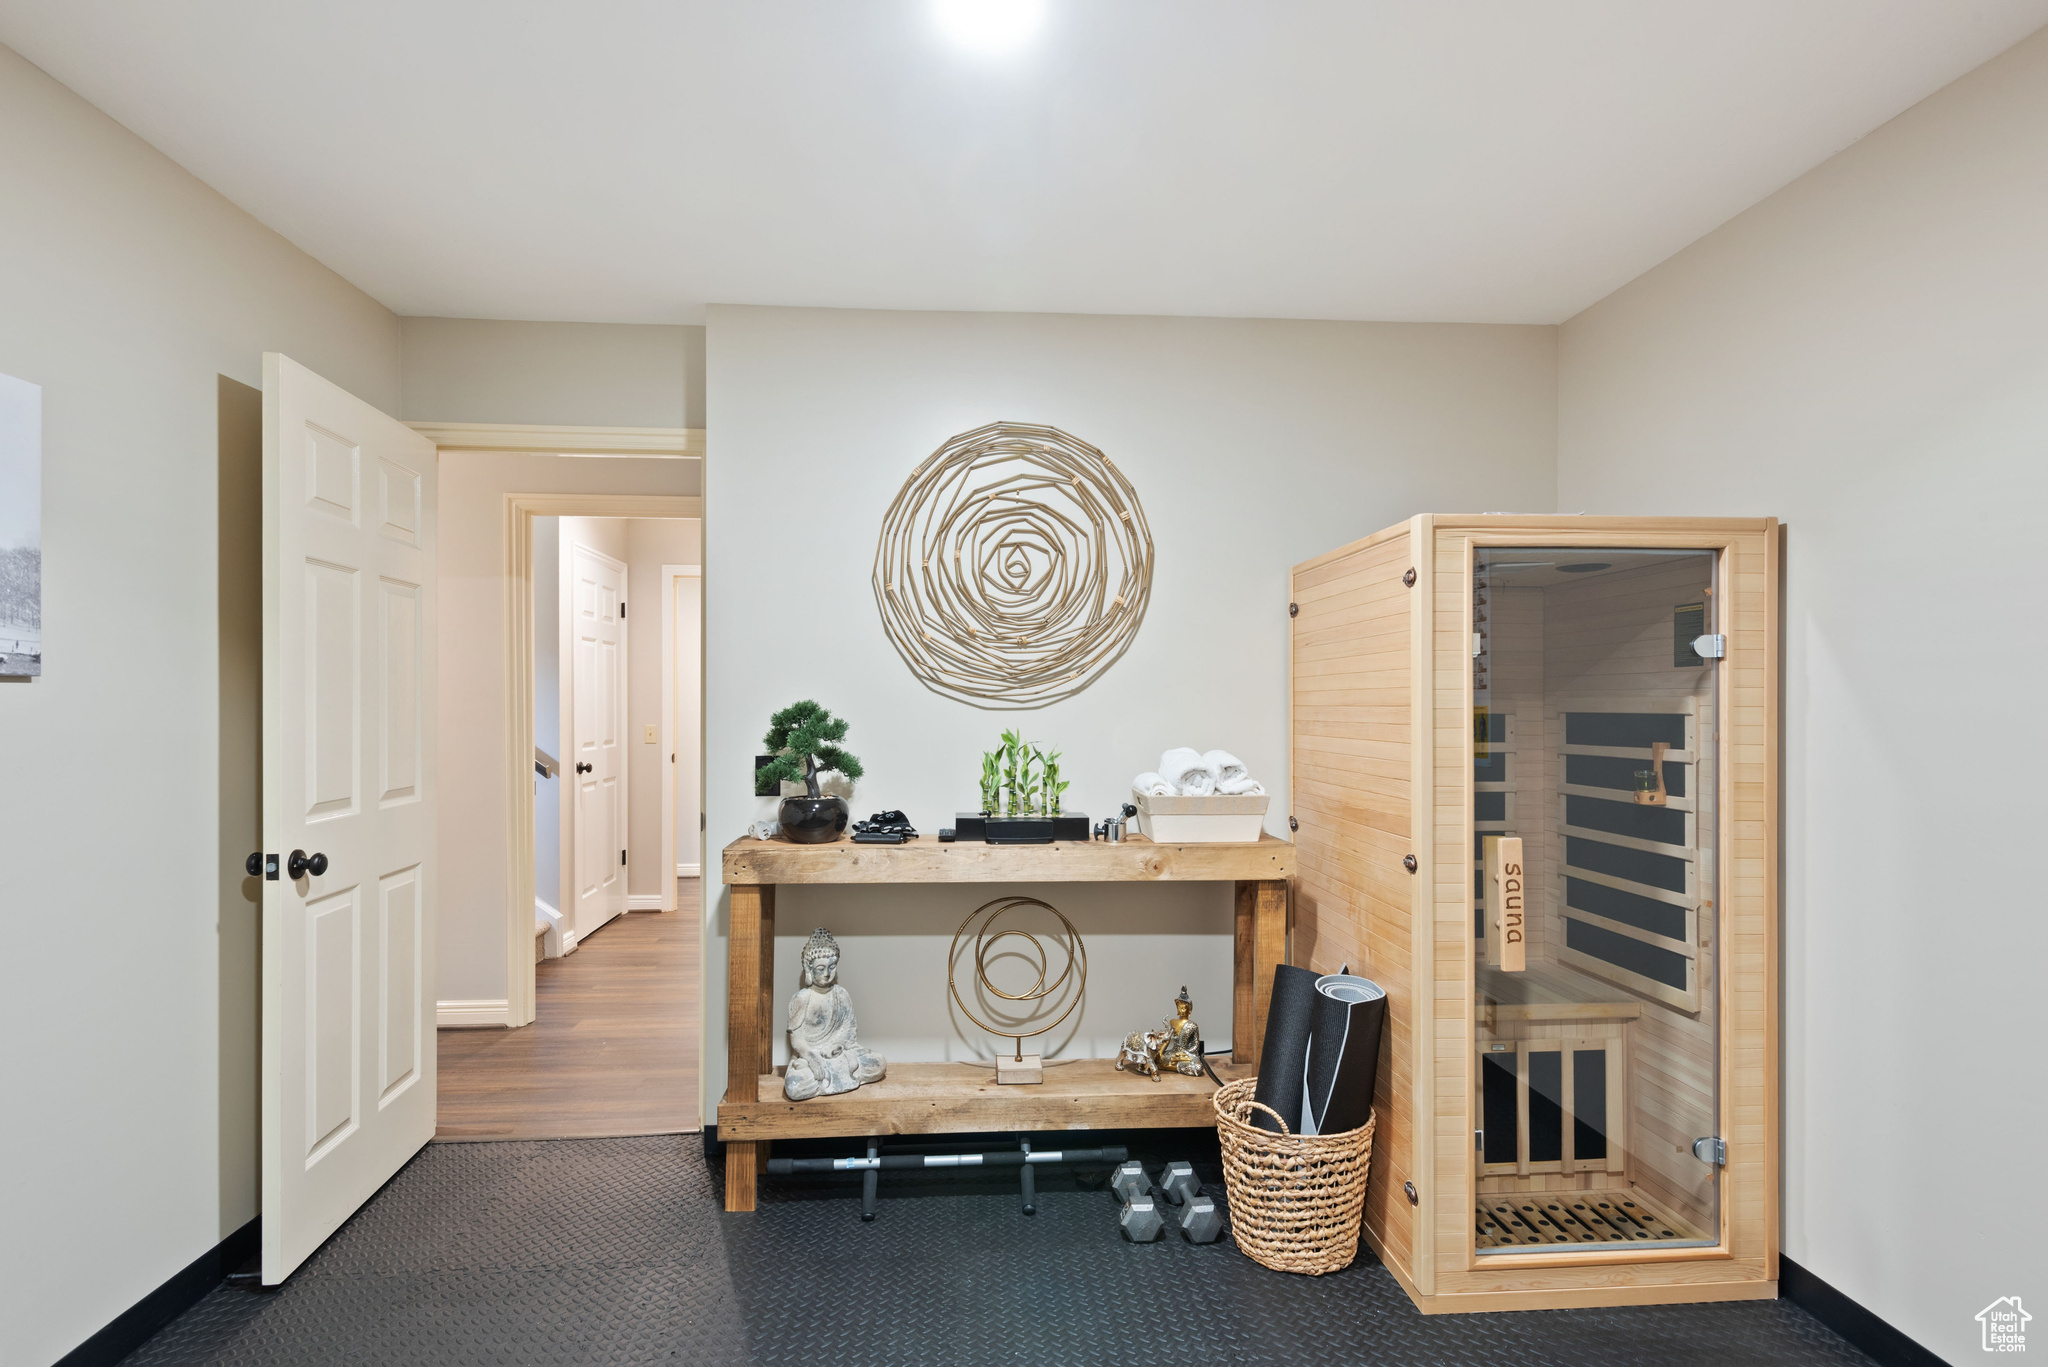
(255, 864)
(582, 768)
(302, 864)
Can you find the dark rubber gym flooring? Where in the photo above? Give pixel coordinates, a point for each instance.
(618, 1251)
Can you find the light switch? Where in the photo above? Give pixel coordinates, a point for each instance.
(647, 733)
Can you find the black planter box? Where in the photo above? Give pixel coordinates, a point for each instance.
(1020, 830)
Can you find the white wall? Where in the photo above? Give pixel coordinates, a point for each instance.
(651, 542)
(141, 302)
(556, 374)
(1865, 354)
(475, 802)
(1253, 445)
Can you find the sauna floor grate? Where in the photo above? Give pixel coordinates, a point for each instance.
(1576, 1217)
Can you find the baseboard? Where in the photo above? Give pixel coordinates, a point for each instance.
(643, 901)
(1854, 1323)
(131, 1328)
(457, 1014)
(689, 870)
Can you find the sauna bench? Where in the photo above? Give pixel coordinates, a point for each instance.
(959, 1098)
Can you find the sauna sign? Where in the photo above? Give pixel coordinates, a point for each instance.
(1510, 900)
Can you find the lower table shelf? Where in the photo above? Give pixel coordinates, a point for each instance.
(956, 1098)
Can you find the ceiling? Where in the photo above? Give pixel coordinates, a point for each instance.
(630, 161)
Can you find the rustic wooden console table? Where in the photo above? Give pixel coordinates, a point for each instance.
(953, 1098)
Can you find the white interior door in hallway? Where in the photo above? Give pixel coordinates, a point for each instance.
(348, 805)
(597, 684)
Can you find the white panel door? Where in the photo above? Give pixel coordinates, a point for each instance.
(348, 783)
(597, 681)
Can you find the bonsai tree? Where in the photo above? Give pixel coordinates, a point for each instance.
(804, 738)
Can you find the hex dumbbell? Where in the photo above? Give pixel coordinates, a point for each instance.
(1201, 1220)
(1179, 1183)
(1139, 1219)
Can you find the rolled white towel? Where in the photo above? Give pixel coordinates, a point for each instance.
(1188, 771)
(1246, 786)
(1229, 769)
(1151, 785)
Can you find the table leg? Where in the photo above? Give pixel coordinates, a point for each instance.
(742, 1172)
(770, 1017)
(1261, 945)
(1243, 1048)
(750, 981)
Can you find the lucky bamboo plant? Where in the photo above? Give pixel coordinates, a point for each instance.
(991, 783)
(1019, 779)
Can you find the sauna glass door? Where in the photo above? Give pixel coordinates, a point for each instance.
(1594, 779)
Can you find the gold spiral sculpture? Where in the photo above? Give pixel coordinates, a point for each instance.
(986, 937)
(1014, 567)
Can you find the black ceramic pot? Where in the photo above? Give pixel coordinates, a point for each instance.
(813, 820)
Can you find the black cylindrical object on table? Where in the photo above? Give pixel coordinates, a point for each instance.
(1290, 1016)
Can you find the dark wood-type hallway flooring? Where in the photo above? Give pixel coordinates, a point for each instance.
(612, 1050)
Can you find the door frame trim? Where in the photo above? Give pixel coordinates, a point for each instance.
(520, 510)
(531, 439)
(669, 575)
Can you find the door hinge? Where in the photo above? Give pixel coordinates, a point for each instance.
(700, 821)
(1714, 647)
(622, 856)
(1712, 1149)
(622, 609)
(1479, 1141)
(1478, 645)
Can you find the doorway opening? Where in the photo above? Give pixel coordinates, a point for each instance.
(605, 668)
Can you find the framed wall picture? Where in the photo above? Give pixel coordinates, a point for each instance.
(21, 527)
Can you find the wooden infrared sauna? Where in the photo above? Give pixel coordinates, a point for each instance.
(1535, 791)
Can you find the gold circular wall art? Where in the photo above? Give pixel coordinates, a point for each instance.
(1014, 567)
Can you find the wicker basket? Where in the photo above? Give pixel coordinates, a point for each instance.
(1295, 1200)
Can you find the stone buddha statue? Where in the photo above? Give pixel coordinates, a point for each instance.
(825, 1053)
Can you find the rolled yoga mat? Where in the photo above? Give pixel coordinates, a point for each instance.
(1343, 1062)
(1289, 1017)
